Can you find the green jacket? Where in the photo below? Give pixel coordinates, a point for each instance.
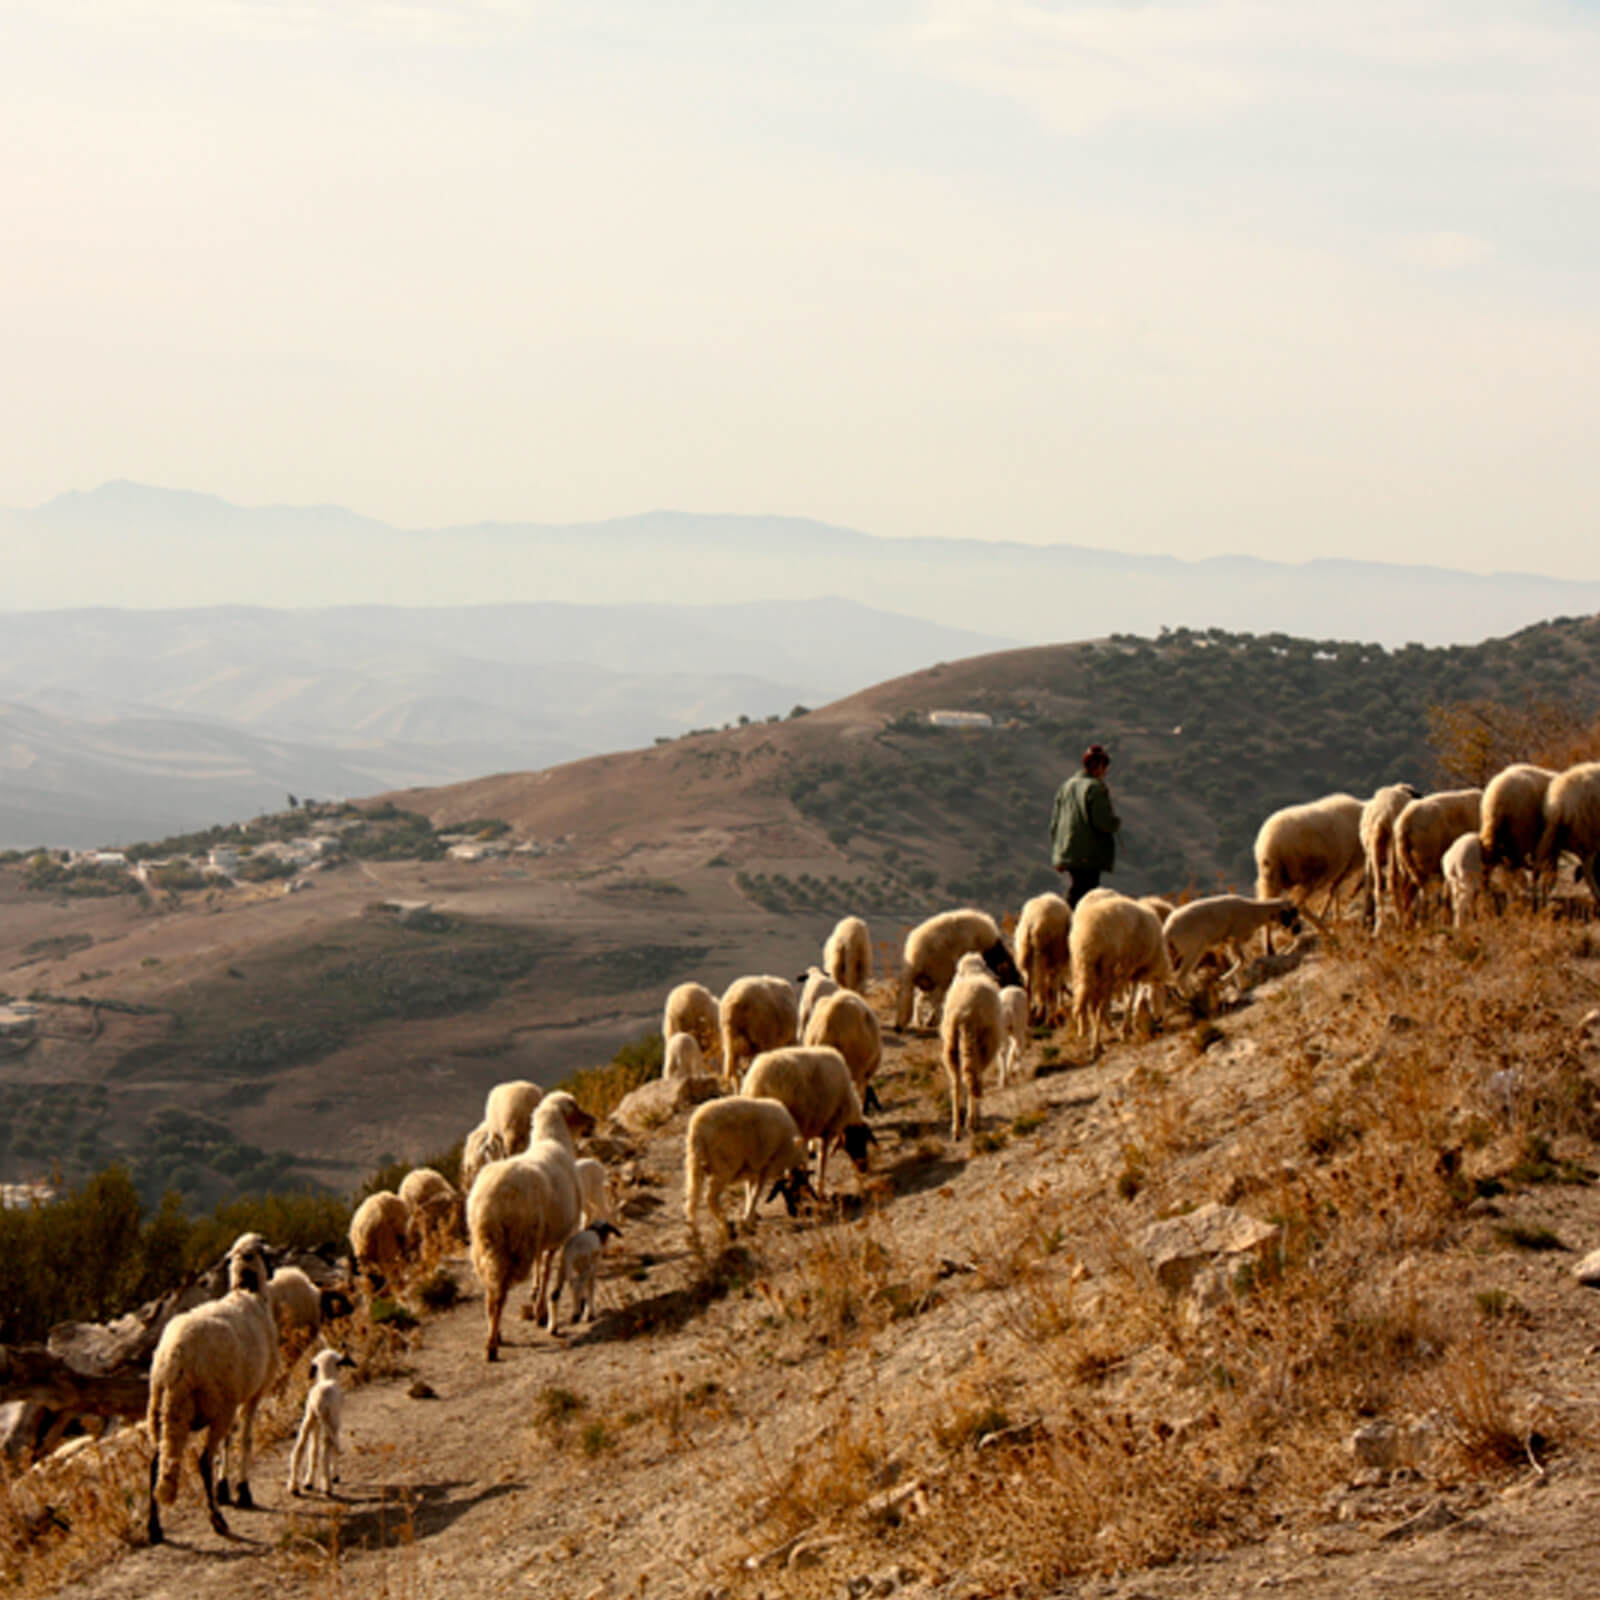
(1083, 828)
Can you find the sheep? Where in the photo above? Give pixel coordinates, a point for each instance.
(756, 1014)
(692, 1008)
(380, 1234)
(815, 986)
(933, 948)
(971, 1033)
(1377, 845)
(594, 1190)
(580, 1262)
(815, 1084)
(1463, 875)
(733, 1140)
(1512, 819)
(435, 1205)
(847, 955)
(1044, 926)
(849, 1025)
(316, 1445)
(1572, 821)
(522, 1210)
(1014, 1031)
(298, 1305)
(682, 1057)
(1159, 904)
(1116, 944)
(509, 1109)
(1306, 848)
(1422, 834)
(1221, 921)
(482, 1146)
(212, 1364)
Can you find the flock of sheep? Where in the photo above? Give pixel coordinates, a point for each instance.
(795, 1063)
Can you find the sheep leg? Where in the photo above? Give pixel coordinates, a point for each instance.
(952, 1074)
(216, 1495)
(494, 1303)
(243, 1497)
(152, 1525)
(297, 1456)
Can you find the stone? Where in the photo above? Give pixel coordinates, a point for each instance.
(1431, 1519)
(1391, 1446)
(809, 1553)
(1587, 1271)
(658, 1101)
(1180, 1247)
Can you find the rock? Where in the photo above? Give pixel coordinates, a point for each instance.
(1431, 1519)
(1180, 1247)
(808, 1554)
(658, 1101)
(1018, 1433)
(421, 1389)
(1391, 1446)
(1587, 1271)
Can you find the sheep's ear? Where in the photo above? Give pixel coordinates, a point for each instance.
(345, 1359)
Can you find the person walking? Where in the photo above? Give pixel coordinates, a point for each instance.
(1083, 827)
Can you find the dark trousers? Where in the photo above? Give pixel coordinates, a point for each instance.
(1080, 880)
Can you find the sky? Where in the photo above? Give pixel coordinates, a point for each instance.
(1192, 278)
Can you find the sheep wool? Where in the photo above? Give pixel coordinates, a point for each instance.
(1422, 833)
(316, 1445)
(1378, 817)
(1309, 849)
(814, 1083)
(846, 1023)
(932, 949)
(1572, 821)
(757, 1013)
(1044, 929)
(692, 1008)
(971, 1032)
(1117, 945)
(847, 955)
(737, 1140)
(508, 1111)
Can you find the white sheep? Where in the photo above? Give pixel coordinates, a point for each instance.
(315, 1457)
(1378, 818)
(1044, 929)
(1221, 922)
(522, 1210)
(212, 1364)
(1306, 849)
(735, 1140)
(971, 1033)
(932, 949)
(1462, 868)
(814, 1082)
(381, 1234)
(847, 955)
(594, 1191)
(1572, 821)
(1117, 945)
(1014, 1031)
(692, 1008)
(1422, 834)
(508, 1111)
(1512, 819)
(682, 1057)
(846, 1023)
(1159, 904)
(296, 1302)
(580, 1263)
(756, 1014)
(435, 1205)
(482, 1146)
(815, 987)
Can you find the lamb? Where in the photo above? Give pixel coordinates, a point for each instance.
(815, 1084)
(756, 1014)
(1308, 848)
(481, 1146)
(692, 1008)
(733, 1140)
(522, 1210)
(846, 1023)
(815, 987)
(1221, 921)
(1512, 820)
(1014, 1031)
(1572, 821)
(381, 1234)
(508, 1111)
(1422, 834)
(933, 948)
(1117, 944)
(212, 1364)
(847, 955)
(1463, 875)
(1378, 817)
(580, 1262)
(316, 1446)
(435, 1205)
(1044, 928)
(594, 1190)
(971, 1033)
(682, 1057)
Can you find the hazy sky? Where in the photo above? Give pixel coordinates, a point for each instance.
(1186, 277)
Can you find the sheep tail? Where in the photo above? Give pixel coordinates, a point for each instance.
(693, 1176)
(168, 1422)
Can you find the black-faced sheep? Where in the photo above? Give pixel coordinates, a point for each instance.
(1117, 945)
(847, 955)
(1309, 849)
(1422, 833)
(1572, 821)
(814, 1083)
(971, 1032)
(1044, 953)
(735, 1140)
(580, 1265)
(757, 1013)
(381, 1235)
(932, 949)
(436, 1207)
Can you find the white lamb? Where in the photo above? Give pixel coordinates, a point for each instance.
(815, 1084)
(1117, 946)
(381, 1234)
(682, 1057)
(1463, 876)
(971, 1032)
(757, 1013)
(1422, 833)
(692, 1008)
(580, 1264)
(1014, 1031)
(735, 1140)
(508, 1111)
(815, 987)
(482, 1146)
(846, 1023)
(847, 955)
(1572, 822)
(1044, 953)
(594, 1191)
(933, 948)
(1221, 922)
(1309, 849)
(212, 1364)
(1512, 819)
(315, 1456)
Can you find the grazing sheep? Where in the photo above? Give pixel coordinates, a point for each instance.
(1572, 821)
(815, 1084)
(316, 1446)
(297, 1303)
(847, 955)
(815, 987)
(1512, 819)
(1463, 875)
(1221, 921)
(594, 1190)
(682, 1057)
(436, 1208)
(580, 1263)
(1422, 834)
(1014, 1031)
(756, 1014)
(380, 1235)
(692, 1008)
(1159, 904)
(212, 1364)
(1378, 818)
(1308, 848)
(522, 1210)
(482, 1146)
(734, 1140)
(971, 1033)
(508, 1111)
(933, 948)
(1117, 944)
(846, 1023)
(1044, 928)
